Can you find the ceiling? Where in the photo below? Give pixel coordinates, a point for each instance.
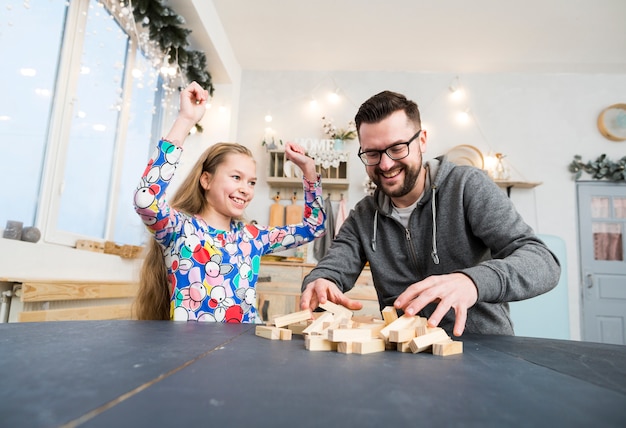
(458, 36)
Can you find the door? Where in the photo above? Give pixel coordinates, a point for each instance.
(602, 223)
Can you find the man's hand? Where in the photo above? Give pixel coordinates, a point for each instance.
(454, 290)
(322, 290)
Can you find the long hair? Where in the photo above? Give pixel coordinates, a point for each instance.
(153, 298)
(382, 105)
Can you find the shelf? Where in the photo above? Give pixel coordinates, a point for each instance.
(334, 179)
(508, 185)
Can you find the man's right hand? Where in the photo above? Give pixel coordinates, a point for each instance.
(322, 290)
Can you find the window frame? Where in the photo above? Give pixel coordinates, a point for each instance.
(60, 123)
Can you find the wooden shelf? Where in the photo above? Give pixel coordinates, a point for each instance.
(508, 185)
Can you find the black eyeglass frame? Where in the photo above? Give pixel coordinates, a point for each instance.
(385, 151)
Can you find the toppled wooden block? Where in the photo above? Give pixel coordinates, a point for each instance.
(348, 334)
(318, 325)
(402, 323)
(336, 309)
(272, 333)
(425, 342)
(267, 332)
(292, 318)
(344, 347)
(449, 347)
(319, 343)
(298, 328)
(389, 314)
(368, 346)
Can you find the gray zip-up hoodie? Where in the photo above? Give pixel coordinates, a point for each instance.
(463, 223)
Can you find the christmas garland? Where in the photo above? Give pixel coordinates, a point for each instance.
(601, 168)
(165, 28)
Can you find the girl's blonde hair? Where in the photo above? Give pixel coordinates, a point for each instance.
(153, 297)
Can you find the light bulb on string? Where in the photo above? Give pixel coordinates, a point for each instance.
(463, 117)
(333, 97)
(268, 118)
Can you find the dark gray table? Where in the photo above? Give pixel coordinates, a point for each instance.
(135, 374)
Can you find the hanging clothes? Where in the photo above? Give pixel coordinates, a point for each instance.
(322, 244)
(342, 214)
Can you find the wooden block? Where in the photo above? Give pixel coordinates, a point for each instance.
(318, 343)
(374, 328)
(268, 332)
(448, 347)
(403, 346)
(421, 330)
(368, 346)
(318, 325)
(367, 319)
(297, 328)
(389, 314)
(402, 335)
(401, 323)
(336, 309)
(285, 334)
(344, 347)
(292, 318)
(348, 334)
(425, 342)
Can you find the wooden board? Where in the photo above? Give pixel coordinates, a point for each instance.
(45, 291)
(106, 312)
(294, 212)
(277, 213)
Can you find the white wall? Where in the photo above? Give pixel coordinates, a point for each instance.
(539, 121)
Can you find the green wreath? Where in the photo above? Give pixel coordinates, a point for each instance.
(601, 168)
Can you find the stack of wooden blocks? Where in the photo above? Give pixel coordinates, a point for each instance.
(337, 329)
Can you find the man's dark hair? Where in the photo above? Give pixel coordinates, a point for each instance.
(382, 105)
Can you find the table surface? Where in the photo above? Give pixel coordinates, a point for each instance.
(160, 373)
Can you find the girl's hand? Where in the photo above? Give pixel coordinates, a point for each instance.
(296, 153)
(193, 101)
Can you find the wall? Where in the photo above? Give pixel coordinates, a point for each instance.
(540, 121)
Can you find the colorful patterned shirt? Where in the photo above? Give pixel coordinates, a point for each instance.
(213, 273)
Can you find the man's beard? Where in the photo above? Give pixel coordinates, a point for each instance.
(411, 175)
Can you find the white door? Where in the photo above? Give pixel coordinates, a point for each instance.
(602, 224)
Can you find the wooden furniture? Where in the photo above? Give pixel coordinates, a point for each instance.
(278, 289)
(162, 373)
(286, 181)
(278, 293)
(55, 300)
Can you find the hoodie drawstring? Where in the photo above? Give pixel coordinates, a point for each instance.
(434, 254)
(375, 229)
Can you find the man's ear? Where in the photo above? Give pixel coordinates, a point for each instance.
(422, 140)
(205, 180)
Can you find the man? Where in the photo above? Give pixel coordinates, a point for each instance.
(443, 241)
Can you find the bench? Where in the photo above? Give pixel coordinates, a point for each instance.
(61, 300)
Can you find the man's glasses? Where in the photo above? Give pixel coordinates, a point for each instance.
(395, 152)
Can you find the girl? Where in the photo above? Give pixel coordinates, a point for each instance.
(204, 260)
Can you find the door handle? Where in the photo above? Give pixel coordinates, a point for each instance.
(589, 280)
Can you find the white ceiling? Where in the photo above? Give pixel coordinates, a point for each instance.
(459, 36)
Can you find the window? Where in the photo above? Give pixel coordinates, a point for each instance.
(79, 128)
(26, 102)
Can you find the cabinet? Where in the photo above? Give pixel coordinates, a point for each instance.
(283, 176)
(278, 289)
